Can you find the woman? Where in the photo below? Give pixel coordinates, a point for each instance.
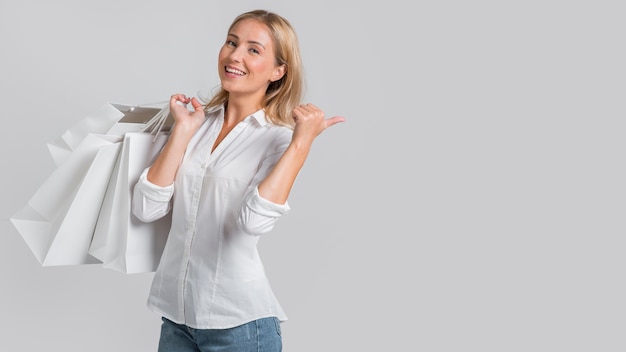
(226, 173)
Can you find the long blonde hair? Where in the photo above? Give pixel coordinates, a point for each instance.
(283, 95)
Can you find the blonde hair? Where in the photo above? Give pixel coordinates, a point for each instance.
(283, 95)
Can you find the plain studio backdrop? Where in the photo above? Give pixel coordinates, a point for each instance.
(473, 200)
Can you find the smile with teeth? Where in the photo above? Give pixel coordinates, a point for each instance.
(234, 71)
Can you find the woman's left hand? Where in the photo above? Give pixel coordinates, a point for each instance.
(310, 122)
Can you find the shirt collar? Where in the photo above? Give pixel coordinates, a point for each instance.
(259, 116)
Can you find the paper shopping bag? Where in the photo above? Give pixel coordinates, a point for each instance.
(58, 221)
(110, 119)
(121, 241)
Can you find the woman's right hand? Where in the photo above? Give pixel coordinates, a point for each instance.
(186, 123)
(185, 119)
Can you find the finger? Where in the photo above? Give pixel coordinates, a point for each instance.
(299, 112)
(310, 107)
(196, 104)
(179, 97)
(305, 107)
(299, 108)
(334, 120)
(310, 111)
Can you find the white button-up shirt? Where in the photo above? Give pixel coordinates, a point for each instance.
(210, 275)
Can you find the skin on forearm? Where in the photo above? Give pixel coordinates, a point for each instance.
(278, 183)
(163, 170)
(310, 123)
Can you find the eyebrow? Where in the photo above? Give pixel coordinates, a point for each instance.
(249, 41)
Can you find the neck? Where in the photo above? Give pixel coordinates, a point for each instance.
(238, 109)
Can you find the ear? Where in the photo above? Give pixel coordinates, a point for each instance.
(278, 73)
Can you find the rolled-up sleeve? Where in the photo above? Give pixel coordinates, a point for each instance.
(258, 215)
(150, 202)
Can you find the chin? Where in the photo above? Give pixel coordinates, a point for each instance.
(226, 86)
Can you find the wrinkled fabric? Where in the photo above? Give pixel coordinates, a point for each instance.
(211, 275)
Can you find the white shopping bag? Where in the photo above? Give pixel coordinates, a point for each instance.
(121, 241)
(110, 119)
(58, 221)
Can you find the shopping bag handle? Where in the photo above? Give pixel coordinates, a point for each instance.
(155, 124)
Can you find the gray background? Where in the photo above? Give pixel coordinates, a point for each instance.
(472, 201)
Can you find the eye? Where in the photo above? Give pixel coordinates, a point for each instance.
(230, 42)
(254, 51)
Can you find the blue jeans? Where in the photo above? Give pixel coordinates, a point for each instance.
(262, 335)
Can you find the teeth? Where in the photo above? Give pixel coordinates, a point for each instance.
(232, 70)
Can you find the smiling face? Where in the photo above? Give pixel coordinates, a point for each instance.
(247, 62)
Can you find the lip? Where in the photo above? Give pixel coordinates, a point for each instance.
(231, 74)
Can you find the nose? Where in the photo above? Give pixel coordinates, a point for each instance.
(237, 54)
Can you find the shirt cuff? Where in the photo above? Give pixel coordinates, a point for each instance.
(152, 191)
(264, 207)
